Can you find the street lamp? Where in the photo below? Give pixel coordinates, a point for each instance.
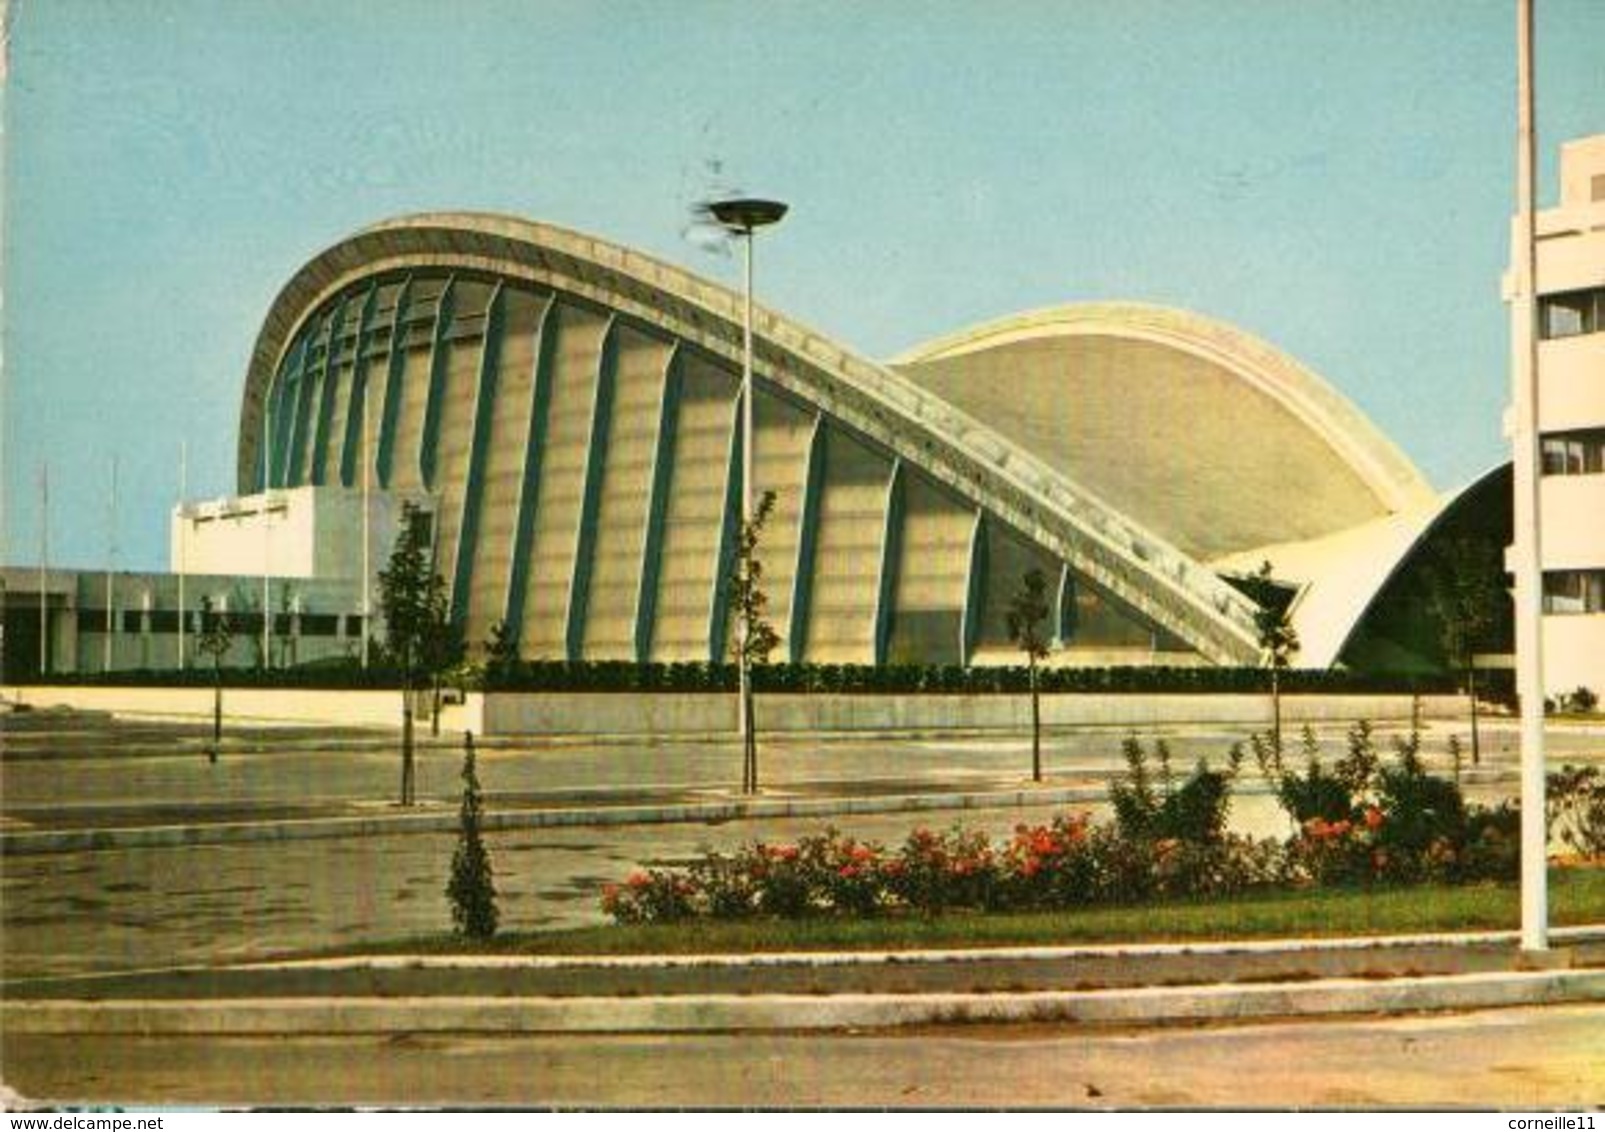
(743, 216)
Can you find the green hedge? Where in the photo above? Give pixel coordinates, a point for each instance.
(627, 677)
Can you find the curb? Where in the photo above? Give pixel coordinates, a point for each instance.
(33, 842)
(703, 1013)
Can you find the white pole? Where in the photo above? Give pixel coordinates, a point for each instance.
(44, 568)
(267, 546)
(183, 543)
(367, 522)
(111, 566)
(747, 774)
(1528, 564)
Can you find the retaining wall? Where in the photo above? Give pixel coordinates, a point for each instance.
(599, 713)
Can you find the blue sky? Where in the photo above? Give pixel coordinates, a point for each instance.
(1333, 175)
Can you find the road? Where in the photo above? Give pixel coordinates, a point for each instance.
(140, 908)
(1521, 1058)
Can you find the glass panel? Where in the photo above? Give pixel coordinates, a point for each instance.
(1566, 315)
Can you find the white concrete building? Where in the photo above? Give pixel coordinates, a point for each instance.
(298, 532)
(1571, 420)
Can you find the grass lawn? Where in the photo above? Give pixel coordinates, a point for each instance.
(1576, 896)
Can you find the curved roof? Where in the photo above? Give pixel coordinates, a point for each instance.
(1199, 431)
(975, 460)
(1341, 577)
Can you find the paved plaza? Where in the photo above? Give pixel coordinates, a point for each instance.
(150, 907)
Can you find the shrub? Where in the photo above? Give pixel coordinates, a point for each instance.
(1576, 809)
(653, 896)
(1424, 825)
(955, 869)
(1581, 700)
(1195, 812)
(780, 876)
(1051, 866)
(1317, 792)
(726, 886)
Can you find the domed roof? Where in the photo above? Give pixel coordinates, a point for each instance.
(1205, 435)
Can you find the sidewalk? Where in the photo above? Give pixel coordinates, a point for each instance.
(1112, 985)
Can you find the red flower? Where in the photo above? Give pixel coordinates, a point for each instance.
(1373, 818)
(638, 880)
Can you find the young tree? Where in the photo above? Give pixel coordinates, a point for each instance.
(1278, 640)
(501, 656)
(215, 639)
(1465, 585)
(472, 888)
(1027, 621)
(410, 594)
(756, 637)
(440, 649)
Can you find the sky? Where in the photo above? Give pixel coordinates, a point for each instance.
(1334, 176)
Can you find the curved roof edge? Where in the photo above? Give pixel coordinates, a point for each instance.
(1342, 576)
(1380, 464)
(1171, 588)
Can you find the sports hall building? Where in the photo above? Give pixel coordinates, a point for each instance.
(568, 411)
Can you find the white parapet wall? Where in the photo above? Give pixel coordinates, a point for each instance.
(668, 714)
(700, 713)
(290, 706)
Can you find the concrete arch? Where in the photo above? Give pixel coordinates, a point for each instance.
(911, 424)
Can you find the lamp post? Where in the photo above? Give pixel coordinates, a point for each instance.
(742, 217)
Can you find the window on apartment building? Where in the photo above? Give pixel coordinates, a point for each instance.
(1571, 313)
(1574, 591)
(1579, 453)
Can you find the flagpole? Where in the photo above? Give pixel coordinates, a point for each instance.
(183, 544)
(267, 518)
(1527, 555)
(44, 568)
(367, 520)
(111, 567)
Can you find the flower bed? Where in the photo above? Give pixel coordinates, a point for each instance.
(1382, 825)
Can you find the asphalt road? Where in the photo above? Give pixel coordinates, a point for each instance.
(1521, 1059)
(135, 909)
(72, 770)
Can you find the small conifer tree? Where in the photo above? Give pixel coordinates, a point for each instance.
(472, 888)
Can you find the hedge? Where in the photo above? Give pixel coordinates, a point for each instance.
(628, 677)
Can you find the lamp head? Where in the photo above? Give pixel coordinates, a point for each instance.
(743, 214)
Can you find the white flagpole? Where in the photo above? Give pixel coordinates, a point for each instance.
(44, 568)
(111, 567)
(1528, 564)
(183, 544)
(367, 521)
(267, 548)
